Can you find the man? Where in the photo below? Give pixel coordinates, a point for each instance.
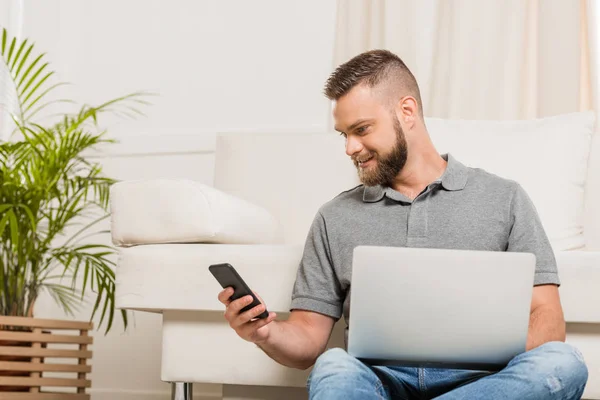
(411, 196)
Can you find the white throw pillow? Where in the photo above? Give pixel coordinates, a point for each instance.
(547, 156)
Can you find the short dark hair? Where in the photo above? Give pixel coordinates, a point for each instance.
(372, 68)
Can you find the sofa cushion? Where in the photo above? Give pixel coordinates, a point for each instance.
(547, 156)
(176, 277)
(183, 211)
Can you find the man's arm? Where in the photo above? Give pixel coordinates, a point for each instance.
(546, 320)
(294, 343)
(300, 340)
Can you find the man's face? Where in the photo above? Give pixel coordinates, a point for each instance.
(374, 138)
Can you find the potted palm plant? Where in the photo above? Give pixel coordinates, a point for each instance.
(52, 198)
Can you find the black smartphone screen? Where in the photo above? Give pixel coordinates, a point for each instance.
(227, 276)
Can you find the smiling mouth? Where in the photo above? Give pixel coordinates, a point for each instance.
(364, 162)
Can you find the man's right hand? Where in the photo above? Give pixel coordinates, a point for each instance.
(245, 324)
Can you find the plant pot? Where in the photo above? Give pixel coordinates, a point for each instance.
(27, 346)
(4, 373)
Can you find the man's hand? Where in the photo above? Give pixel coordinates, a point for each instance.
(245, 324)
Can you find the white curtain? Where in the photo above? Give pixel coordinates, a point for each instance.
(592, 21)
(474, 59)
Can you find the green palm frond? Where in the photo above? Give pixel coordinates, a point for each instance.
(64, 296)
(30, 76)
(48, 188)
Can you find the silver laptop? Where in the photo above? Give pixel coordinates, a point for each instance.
(439, 308)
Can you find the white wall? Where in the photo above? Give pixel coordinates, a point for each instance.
(11, 18)
(217, 66)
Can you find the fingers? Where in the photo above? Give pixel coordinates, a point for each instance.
(225, 294)
(246, 324)
(246, 316)
(264, 321)
(234, 307)
(249, 330)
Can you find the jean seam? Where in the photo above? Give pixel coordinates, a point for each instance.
(379, 390)
(422, 387)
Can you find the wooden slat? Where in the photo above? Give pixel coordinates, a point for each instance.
(29, 352)
(27, 381)
(35, 360)
(45, 323)
(82, 361)
(44, 396)
(45, 337)
(43, 367)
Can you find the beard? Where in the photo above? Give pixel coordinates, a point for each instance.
(386, 166)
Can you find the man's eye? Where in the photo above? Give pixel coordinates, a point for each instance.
(342, 134)
(362, 129)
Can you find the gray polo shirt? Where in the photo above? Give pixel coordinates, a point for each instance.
(466, 208)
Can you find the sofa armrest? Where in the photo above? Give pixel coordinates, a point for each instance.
(579, 272)
(182, 211)
(176, 277)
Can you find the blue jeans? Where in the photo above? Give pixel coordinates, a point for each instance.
(555, 370)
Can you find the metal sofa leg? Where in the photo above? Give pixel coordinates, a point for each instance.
(181, 390)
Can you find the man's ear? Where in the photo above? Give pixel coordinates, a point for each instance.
(407, 111)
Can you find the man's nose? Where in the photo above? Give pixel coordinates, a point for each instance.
(353, 146)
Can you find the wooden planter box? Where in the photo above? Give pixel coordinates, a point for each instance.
(24, 355)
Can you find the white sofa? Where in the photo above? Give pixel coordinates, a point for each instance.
(267, 189)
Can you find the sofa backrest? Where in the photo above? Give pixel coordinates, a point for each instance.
(547, 156)
(292, 175)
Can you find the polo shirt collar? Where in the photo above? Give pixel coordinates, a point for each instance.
(454, 178)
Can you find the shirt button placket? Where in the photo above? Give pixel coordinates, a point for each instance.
(417, 220)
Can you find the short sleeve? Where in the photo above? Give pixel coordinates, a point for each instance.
(317, 287)
(527, 235)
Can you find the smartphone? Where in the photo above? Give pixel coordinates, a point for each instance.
(228, 276)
